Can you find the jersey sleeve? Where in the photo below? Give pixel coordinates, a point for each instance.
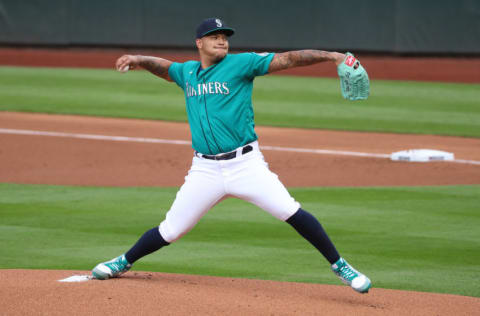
(259, 63)
(175, 71)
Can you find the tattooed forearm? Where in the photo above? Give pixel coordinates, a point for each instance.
(300, 58)
(157, 66)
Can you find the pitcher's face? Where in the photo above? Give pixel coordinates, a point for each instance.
(214, 45)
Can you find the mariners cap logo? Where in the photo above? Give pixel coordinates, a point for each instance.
(213, 25)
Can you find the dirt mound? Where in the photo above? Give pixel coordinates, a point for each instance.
(37, 292)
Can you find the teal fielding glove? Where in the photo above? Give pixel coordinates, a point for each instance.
(354, 81)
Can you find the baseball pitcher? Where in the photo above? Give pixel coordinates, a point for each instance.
(226, 156)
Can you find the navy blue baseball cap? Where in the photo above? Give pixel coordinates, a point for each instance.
(213, 25)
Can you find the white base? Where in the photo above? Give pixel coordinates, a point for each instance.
(422, 155)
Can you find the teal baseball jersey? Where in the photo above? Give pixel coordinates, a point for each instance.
(219, 100)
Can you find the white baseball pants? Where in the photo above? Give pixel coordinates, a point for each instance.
(246, 177)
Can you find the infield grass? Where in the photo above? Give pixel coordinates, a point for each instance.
(394, 106)
(411, 238)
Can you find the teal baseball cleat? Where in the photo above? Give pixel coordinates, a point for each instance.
(111, 269)
(350, 276)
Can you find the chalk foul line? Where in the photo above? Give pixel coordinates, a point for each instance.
(184, 142)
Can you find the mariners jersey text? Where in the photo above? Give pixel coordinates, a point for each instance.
(213, 87)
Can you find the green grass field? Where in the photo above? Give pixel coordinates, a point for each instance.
(412, 238)
(394, 106)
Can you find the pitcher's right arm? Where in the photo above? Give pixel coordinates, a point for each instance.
(157, 66)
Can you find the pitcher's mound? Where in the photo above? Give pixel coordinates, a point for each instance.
(38, 292)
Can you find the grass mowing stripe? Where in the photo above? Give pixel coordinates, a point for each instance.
(394, 106)
(413, 238)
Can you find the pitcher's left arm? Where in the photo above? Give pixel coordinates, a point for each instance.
(305, 57)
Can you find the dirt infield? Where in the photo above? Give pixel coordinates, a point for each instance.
(407, 68)
(38, 292)
(74, 161)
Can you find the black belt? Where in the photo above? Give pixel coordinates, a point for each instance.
(226, 156)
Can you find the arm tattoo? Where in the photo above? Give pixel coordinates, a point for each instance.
(298, 58)
(156, 66)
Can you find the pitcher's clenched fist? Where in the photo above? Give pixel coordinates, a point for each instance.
(127, 62)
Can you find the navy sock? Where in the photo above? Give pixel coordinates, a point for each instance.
(310, 229)
(150, 241)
